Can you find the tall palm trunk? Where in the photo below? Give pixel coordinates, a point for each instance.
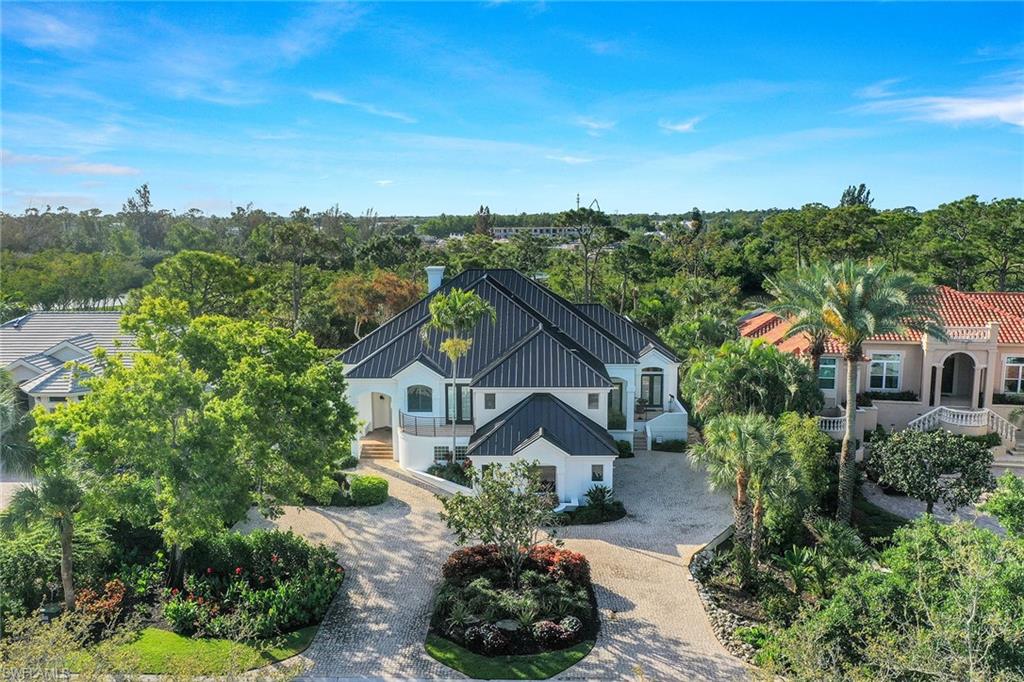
(846, 457)
(67, 531)
(455, 404)
(757, 529)
(741, 524)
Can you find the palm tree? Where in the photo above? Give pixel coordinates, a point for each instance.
(57, 499)
(854, 301)
(798, 293)
(772, 477)
(454, 315)
(736, 449)
(16, 452)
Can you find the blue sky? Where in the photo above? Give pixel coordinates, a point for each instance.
(424, 108)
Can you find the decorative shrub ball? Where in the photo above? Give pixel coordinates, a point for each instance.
(367, 490)
(495, 641)
(571, 627)
(548, 633)
(473, 638)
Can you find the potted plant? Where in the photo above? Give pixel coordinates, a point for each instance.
(52, 607)
(641, 407)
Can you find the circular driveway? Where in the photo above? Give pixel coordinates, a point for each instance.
(653, 624)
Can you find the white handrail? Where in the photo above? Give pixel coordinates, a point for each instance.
(832, 424)
(966, 333)
(971, 418)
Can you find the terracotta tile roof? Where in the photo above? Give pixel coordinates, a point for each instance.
(956, 308)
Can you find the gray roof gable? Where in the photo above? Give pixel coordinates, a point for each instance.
(37, 332)
(635, 336)
(542, 361)
(541, 415)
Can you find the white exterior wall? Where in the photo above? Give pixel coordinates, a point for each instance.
(572, 474)
(505, 398)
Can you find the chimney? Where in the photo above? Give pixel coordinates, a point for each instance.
(435, 273)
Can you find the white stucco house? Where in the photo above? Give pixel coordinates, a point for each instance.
(550, 381)
(40, 350)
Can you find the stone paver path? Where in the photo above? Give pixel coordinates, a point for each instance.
(653, 624)
(909, 508)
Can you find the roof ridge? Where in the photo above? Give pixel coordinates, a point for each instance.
(991, 308)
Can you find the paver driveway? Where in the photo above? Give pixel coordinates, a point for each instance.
(653, 625)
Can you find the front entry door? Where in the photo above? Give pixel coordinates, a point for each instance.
(461, 410)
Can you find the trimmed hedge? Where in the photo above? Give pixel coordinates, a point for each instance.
(904, 396)
(367, 490)
(625, 448)
(1008, 398)
(673, 445)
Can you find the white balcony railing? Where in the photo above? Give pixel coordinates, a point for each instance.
(969, 334)
(431, 426)
(947, 416)
(832, 424)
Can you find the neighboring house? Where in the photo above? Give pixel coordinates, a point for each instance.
(551, 231)
(550, 380)
(969, 382)
(36, 350)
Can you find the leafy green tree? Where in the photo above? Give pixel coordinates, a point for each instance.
(374, 298)
(208, 283)
(739, 451)
(453, 315)
(854, 302)
(943, 602)
(16, 452)
(935, 466)
(746, 375)
(949, 247)
(593, 230)
(525, 252)
(809, 451)
(1007, 504)
(856, 196)
(228, 414)
(509, 510)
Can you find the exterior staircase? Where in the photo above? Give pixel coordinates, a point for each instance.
(376, 446)
(639, 441)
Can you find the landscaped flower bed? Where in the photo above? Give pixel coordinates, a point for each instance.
(253, 586)
(551, 608)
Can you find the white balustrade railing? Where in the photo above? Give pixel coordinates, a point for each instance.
(966, 418)
(1006, 430)
(832, 424)
(969, 334)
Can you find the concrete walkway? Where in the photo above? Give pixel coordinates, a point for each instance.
(653, 624)
(909, 508)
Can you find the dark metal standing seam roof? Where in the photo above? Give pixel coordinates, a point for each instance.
(541, 361)
(563, 315)
(633, 334)
(490, 340)
(542, 415)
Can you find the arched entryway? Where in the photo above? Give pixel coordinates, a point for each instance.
(956, 382)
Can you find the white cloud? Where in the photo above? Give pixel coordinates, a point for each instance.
(593, 126)
(373, 109)
(383, 183)
(882, 88)
(571, 160)
(1003, 103)
(679, 126)
(95, 169)
(41, 30)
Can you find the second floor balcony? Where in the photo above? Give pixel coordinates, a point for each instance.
(426, 425)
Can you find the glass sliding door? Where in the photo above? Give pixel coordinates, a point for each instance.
(461, 410)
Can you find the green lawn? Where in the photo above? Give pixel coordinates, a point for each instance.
(162, 651)
(538, 667)
(874, 522)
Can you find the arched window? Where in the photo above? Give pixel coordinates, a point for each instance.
(419, 399)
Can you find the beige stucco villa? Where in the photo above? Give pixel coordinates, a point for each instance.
(970, 382)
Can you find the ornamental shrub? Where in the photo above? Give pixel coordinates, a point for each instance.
(367, 490)
(572, 627)
(560, 563)
(548, 633)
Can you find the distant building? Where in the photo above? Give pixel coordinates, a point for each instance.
(550, 231)
(36, 349)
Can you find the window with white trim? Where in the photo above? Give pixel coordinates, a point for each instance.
(885, 371)
(593, 401)
(460, 453)
(597, 473)
(827, 374)
(488, 401)
(1013, 375)
(441, 453)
